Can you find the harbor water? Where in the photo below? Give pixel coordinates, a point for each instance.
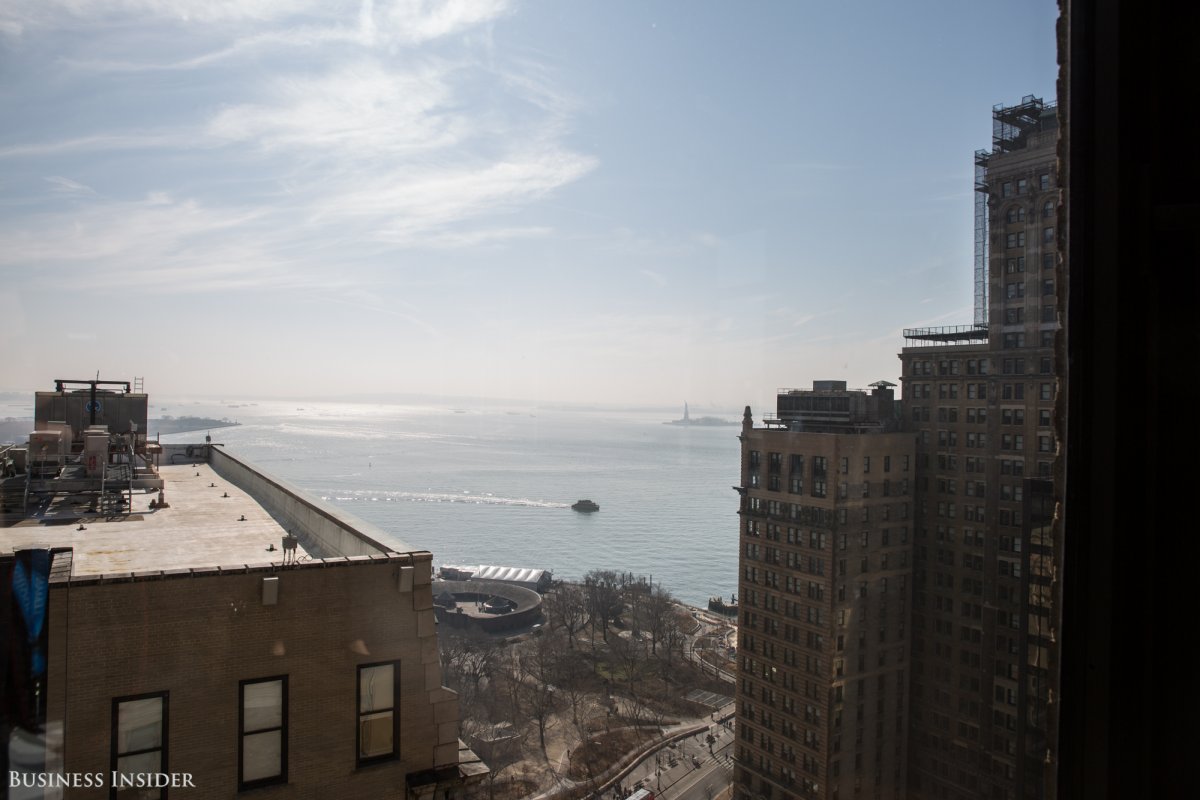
(494, 485)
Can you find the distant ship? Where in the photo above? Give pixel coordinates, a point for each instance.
(703, 421)
(586, 506)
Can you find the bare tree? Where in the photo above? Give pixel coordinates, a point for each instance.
(673, 639)
(568, 608)
(537, 665)
(604, 598)
(574, 677)
(630, 655)
(470, 661)
(658, 609)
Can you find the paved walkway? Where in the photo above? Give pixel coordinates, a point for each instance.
(660, 764)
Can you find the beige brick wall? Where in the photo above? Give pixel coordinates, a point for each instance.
(198, 635)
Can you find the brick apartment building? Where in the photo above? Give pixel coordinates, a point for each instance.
(825, 577)
(980, 400)
(241, 633)
(937, 687)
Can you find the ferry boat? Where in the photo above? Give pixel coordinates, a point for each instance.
(586, 506)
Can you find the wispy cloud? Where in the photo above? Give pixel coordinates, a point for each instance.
(130, 140)
(274, 25)
(375, 141)
(404, 205)
(357, 111)
(61, 185)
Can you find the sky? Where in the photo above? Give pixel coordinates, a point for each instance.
(561, 202)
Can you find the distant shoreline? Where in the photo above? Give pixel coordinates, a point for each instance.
(170, 425)
(17, 430)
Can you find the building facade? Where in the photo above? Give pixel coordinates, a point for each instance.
(183, 624)
(825, 571)
(980, 401)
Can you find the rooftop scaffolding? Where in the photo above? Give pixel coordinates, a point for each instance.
(1011, 127)
(981, 237)
(949, 334)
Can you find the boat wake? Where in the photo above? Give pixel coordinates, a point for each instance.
(439, 497)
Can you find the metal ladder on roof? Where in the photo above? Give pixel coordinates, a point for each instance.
(119, 501)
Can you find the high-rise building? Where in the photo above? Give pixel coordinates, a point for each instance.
(980, 400)
(826, 514)
(948, 698)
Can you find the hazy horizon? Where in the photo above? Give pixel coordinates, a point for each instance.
(24, 396)
(634, 204)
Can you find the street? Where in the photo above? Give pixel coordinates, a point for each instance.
(689, 769)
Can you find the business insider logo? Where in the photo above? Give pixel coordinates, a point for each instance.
(96, 780)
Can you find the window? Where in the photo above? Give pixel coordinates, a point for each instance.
(1044, 181)
(1048, 235)
(378, 721)
(1016, 214)
(1012, 416)
(1048, 209)
(1047, 390)
(1015, 366)
(1047, 260)
(866, 464)
(819, 476)
(139, 741)
(1006, 189)
(262, 758)
(1022, 186)
(1015, 290)
(1048, 287)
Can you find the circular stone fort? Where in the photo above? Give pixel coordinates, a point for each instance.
(489, 599)
(491, 606)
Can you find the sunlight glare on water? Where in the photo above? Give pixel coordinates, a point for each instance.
(495, 486)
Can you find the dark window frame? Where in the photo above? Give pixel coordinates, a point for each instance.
(360, 760)
(282, 777)
(164, 743)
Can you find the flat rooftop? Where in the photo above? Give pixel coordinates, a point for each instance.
(202, 528)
